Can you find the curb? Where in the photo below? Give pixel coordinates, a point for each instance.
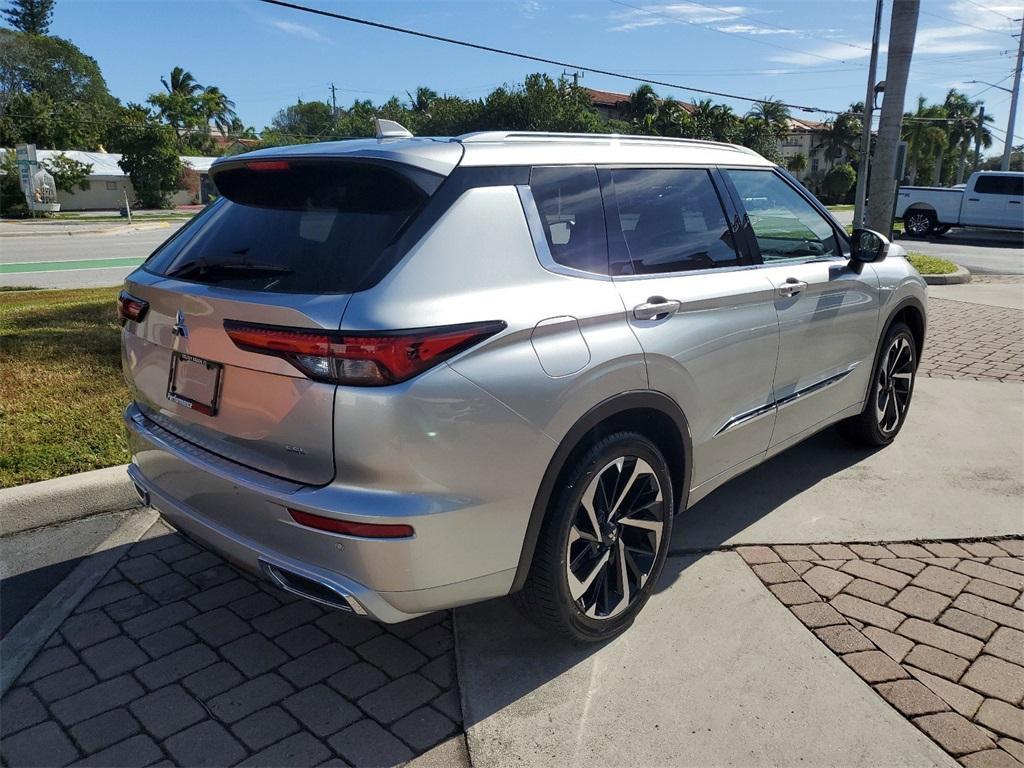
(84, 229)
(65, 498)
(962, 275)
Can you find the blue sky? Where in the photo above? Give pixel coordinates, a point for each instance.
(803, 51)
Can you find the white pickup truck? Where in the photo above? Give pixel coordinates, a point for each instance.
(991, 199)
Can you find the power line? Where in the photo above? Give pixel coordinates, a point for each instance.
(746, 38)
(530, 57)
(991, 10)
(966, 24)
(712, 28)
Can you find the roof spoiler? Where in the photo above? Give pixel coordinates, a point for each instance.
(389, 129)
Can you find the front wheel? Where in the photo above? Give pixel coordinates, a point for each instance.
(919, 223)
(604, 541)
(892, 387)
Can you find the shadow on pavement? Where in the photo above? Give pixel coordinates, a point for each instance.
(177, 655)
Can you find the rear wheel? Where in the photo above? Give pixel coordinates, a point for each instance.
(604, 541)
(919, 223)
(891, 390)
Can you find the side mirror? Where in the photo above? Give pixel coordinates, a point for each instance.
(867, 246)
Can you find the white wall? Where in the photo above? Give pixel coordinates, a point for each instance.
(107, 193)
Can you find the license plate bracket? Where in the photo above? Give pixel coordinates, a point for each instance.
(194, 383)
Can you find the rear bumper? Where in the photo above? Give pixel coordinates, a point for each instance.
(242, 514)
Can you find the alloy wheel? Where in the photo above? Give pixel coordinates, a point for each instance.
(894, 385)
(615, 537)
(918, 224)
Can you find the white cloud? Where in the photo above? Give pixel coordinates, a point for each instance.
(530, 8)
(659, 15)
(750, 29)
(298, 30)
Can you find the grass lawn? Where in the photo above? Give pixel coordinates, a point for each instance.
(841, 207)
(929, 265)
(61, 389)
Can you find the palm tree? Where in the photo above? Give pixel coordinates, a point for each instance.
(182, 83)
(643, 103)
(771, 113)
(797, 163)
(924, 136)
(962, 132)
(839, 139)
(217, 109)
(420, 101)
(881, 190)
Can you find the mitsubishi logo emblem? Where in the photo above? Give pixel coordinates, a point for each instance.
(180, 329)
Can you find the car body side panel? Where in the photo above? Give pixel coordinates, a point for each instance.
(478, 263)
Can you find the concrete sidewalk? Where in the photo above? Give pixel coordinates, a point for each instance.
(714, 672)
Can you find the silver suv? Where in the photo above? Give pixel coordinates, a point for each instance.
(400, 375)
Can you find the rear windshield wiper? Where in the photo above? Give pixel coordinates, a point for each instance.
(227, 269)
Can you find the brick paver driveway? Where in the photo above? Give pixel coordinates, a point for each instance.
(974, 341)
(936, 628)
(177, 655)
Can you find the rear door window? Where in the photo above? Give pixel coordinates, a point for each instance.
(305, 227)
(568, 199)
(670, 220)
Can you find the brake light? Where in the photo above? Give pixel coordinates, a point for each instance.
(267, 165)
(131, 308)
(357, 359)
(366, 530)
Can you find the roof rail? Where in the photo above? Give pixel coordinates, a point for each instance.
(482, 137)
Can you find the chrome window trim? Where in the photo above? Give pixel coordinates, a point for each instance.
(540, 241)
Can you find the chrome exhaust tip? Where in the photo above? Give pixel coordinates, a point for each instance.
(317, 590)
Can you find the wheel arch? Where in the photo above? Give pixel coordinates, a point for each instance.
(909, 310)
(653, 414)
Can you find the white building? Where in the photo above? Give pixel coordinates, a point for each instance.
(107, 183)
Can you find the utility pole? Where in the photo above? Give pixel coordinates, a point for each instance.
(882, 185)
(977, 137)
(334, 100)
(1005, 165)
(576, 75)
(865, 137)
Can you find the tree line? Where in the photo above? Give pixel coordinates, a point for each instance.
(54, 95)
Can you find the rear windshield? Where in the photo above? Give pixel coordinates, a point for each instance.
(293, 228)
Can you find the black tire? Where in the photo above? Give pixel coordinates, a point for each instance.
(941, 229)
(918, 224)
(546, 598)
(889, 393)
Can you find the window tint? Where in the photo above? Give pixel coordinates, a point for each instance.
(302, 229)
(569, 202)
(671, 220)
(1000, 185)
(785, 224)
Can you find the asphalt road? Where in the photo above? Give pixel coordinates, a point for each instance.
(74, 259)
(992, 253)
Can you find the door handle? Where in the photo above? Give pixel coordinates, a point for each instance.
(791, 287)
(655, 308)
(1014, 202)
(973, 200)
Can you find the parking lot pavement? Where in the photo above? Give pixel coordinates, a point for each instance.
(936, 628)
(177, 656)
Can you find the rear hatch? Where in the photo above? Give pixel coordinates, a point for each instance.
(286, 244)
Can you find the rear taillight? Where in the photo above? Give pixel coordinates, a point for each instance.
(357, 359)
(366, 530)
(131, 308)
